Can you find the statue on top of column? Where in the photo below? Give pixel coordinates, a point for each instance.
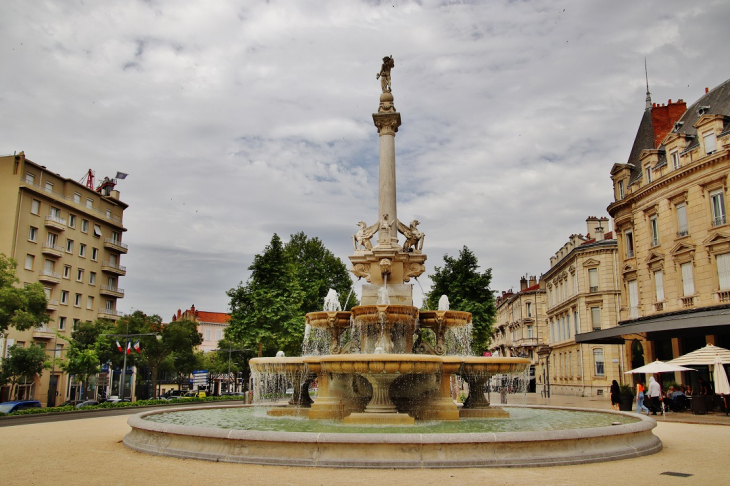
(384, 74)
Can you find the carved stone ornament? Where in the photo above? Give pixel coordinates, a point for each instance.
(361, 270)
(361, 239)
(385, 265)
(412, 269)
(414, 238)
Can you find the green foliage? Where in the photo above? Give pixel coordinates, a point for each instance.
(626, 390)
(20, 307)
(467, 290)
(23, 365)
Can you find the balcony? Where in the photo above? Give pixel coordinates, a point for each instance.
(52, 305)
(682, 233)
(719, 221)
(116, 245)
(659, 306)
(111, 291)
(55, 223)
(723, 296)
(112, 314)
(594, 289)
(49, 276)
(43, 333)
(526, 342)
(687, 302)
(114, 268)
(51, 250)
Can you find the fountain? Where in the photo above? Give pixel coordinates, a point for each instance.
(385, 363)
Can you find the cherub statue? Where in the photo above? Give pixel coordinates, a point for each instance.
(384, 74)
(361, 239)
(414, 238)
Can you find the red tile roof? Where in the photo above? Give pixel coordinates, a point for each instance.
(216, 317)
(534, 287)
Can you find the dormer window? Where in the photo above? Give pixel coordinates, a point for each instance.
(710, 145)
(648, 174)
(620, 189)
(675, 160)
(678, 125)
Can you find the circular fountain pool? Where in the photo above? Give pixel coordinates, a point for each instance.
(532, 436)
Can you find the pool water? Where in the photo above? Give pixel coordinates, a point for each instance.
(520, 420)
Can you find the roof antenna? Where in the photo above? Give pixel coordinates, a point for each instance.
(648, 95)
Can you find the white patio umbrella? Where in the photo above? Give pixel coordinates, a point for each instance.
(703, 356)
(658, 367)
(722, 387)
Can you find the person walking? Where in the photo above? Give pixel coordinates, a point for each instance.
(640, 407)
(655, 395)
(615, 395)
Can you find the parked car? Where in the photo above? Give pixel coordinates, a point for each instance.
(116, 399)
(195, 394)
(87, 403)
(71, 403)
(173, 394)
(17, 405)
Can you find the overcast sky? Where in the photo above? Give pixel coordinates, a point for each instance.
(239, 119)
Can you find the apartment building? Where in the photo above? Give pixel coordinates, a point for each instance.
(582, 296)
(68, 237)
(670, 216)
(211, 325)
(519, 329)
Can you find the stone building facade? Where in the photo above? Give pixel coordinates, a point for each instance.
(520, 329)
(670, 216)
(211, 325)
(68, 237)
(583, 295)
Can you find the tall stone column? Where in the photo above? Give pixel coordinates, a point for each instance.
(387, 120)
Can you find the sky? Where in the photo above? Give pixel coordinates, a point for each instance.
(236, 120)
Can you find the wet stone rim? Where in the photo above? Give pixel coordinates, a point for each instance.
(503, 449)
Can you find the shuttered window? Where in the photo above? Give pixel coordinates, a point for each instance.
(659, 284)
(682, 229)
(688, 282)
(710, 145)
(596, 317)
(633, 299)
(723, 271)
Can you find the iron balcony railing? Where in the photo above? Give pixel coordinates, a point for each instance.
(719, 221)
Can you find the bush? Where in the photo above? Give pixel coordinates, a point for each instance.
(626, 390)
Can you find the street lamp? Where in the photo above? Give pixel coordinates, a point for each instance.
(231, 350)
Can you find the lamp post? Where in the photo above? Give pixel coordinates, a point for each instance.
(231, 350)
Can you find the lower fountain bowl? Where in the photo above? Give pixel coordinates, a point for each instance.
(374, 450)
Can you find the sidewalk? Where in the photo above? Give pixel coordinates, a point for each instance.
(600, 403)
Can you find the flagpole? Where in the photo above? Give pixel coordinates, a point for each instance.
(124, 369)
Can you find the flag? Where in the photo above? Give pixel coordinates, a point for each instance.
(119, 346)
(129, 347)
(121, 175)
(136, 347)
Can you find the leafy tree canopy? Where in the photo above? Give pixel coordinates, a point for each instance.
(20, 307)
(468, 290)
(22, 365)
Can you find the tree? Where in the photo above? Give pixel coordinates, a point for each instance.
(23, 365)
(20, 307)
(82, 363)
(467, 290)
(266, 311)
(317, 270)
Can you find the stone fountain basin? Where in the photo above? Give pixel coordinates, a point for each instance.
(489, 366)
(503, 449)
(329, 319)
(393, 313)
(279, 365)
(434, 319)
(370, 364)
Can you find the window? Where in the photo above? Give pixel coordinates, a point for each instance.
(654, 225)
(76, 323)
(61, 323)
(575, 321)
(218, 334)
(596, 318)
(648, 174)
(659, 285)
(82, 250)
(89, 302)
(633, 299)
(94, 254)
(69, 246)
(207, 334)
(29, 262)
(89, 203)
(709, 142)
(109, 304)
(675, 160)
(593, 279)
(30, 178)
(84, 226)
(51, 239)
(682, 229)
(529, 332)
(116, 237)
(67, 271)
(723, 271)
(47, 291)
(688, 282)
(620, 189)
(108, 213)
(71, 220)
(529, 309)
(97, 230)
(629, 237)
(598, 360)
(567, 324)
(49, 186)
(77, 198)
(55, 212)
(35, 206)
(77, 303)
(575, 284)
(552, 332)
(33, 234)
(717, 203)
(92, 278)
(80, 275)
(64, 297)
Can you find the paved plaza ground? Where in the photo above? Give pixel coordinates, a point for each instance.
(89, 451)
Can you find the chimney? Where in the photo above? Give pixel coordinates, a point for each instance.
(174, 318)
(523, 284)
(663, 119)
(533, 281)
(179, 313)
(707, 90)
(192, 309)
(591, 224)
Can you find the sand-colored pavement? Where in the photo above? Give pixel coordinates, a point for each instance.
(89, 451)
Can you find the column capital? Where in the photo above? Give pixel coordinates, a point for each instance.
(387, 123)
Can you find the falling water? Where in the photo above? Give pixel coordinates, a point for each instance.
(444, 303)
(332, 301)
(425, 300)
(459, 340)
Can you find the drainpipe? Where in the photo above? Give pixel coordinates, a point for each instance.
(582, 375)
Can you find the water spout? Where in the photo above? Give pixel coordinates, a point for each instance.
(332, 301)
(444, 303)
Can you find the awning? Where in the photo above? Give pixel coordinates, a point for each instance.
(668, 324)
